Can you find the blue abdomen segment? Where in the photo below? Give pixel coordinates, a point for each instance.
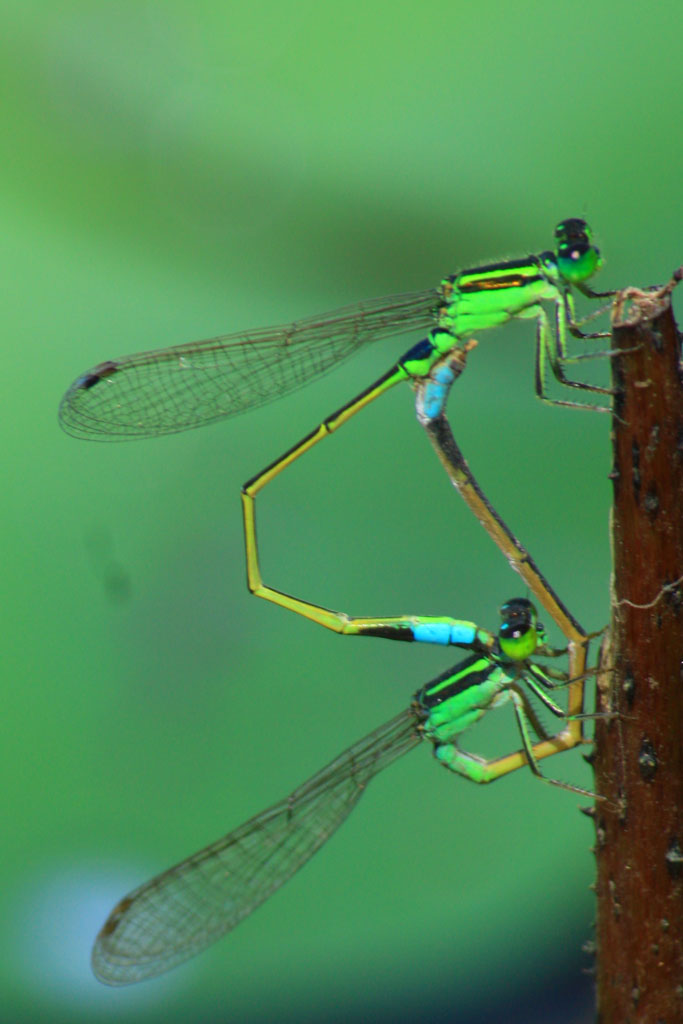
(436, 391)
(446, 633)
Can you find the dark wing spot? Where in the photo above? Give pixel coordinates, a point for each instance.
(89, 380)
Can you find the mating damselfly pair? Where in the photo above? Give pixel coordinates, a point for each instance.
(165, 391)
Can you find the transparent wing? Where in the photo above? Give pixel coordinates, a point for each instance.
(185, 909)
(187, 386)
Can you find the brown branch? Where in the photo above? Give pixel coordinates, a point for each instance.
(638, 755)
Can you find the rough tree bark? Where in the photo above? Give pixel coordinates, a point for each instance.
(638, 755)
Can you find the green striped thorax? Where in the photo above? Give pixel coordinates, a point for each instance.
(487, 296)
(479, 298)
(459, 697)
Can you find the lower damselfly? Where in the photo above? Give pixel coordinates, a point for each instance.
(188, 907)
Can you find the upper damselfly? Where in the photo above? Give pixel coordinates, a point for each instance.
(186, 386)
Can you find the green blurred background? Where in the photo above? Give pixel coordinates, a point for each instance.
(176, 170)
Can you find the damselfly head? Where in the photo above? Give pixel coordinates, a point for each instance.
(577, 257)
(520, 632)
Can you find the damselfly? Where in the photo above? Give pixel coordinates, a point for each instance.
(191, 385)
(182, 911)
